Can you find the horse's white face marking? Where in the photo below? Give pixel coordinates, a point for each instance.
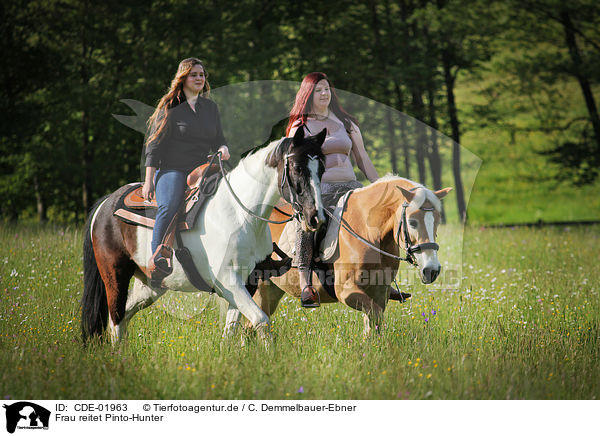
(315, 183)
(429, 225)
(426, 259)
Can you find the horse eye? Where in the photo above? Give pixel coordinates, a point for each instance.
(413, 223)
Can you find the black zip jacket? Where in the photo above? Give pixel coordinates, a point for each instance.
(189, 136)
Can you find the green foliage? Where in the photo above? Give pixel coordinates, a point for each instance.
(67, 64)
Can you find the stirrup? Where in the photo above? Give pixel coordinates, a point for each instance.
(307, 298)
(160, 265)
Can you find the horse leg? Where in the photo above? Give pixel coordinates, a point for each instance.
(238, 297)
(140, 297)
(232, 321)
(267, 297)
(354, 297)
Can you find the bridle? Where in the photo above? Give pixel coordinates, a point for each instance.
(411, 249)
(285, 182)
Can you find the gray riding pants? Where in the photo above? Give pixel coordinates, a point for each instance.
(331, 193)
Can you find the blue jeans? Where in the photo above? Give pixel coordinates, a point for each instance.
(170, 189)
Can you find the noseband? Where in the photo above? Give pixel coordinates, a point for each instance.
(408, 247)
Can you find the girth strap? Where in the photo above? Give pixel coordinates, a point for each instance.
(187, 262)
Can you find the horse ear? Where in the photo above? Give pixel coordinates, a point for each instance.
(299, 135)
(406, 194)
(321, 136)
(442, 192)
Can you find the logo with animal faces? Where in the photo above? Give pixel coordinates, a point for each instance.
(26, 415)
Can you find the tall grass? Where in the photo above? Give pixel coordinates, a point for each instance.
(524, 323)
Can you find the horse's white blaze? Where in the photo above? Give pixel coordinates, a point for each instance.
(94, 217)
(429, 225)
(313, 167)
(429, 258)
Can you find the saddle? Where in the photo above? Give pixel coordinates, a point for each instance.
(202, 183)
(133, 209)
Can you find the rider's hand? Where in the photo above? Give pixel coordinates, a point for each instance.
(148, 190)
(224, 152)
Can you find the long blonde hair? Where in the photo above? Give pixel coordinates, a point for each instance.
(157, 123)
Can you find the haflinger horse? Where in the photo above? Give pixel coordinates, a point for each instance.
(379, 221)
(226, 241)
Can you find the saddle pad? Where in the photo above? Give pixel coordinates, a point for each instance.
(328, 248)
(134, 200)
(135, 214)
(132, 211)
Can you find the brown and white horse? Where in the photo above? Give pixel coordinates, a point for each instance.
(392, 215)
(226, 242)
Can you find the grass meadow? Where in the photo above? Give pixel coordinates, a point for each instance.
(523, 324)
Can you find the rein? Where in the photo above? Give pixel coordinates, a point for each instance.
(402, 227)
(342, 222)
(284, 179)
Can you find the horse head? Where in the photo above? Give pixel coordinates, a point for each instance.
(300, 165)
(418, 221)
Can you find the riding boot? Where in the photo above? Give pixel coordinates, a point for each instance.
(160, 265)
(396, 295)
(309, 296)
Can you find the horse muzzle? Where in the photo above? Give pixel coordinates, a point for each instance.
(312, 223)
(429, 274)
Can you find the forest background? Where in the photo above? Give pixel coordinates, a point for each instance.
(515, 83)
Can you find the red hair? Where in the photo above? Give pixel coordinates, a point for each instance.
(302, 105)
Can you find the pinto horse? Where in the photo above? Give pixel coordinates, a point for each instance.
(379, 220)
(227, 241)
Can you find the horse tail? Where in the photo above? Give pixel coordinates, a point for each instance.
(94, 305)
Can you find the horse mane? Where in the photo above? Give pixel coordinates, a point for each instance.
(422, 195)
(282, 143)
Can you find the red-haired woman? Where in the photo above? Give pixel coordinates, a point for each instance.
(184, 129)
(318, 107)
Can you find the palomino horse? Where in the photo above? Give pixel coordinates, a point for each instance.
(380, 219)
(226, 242)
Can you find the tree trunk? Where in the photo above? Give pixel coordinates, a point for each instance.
(580, 75)
(403, 135)
(86, 152)
(435, 162)
(39, 200)
(392, 139)
(449, 80)
(421, 133)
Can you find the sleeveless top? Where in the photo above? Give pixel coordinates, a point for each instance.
(336, 148)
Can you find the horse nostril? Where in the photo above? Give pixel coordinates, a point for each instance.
(314, 222)
(430, 274)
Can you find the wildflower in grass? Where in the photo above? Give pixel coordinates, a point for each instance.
(301, 390)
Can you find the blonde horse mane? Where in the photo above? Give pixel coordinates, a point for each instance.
(387, 198)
